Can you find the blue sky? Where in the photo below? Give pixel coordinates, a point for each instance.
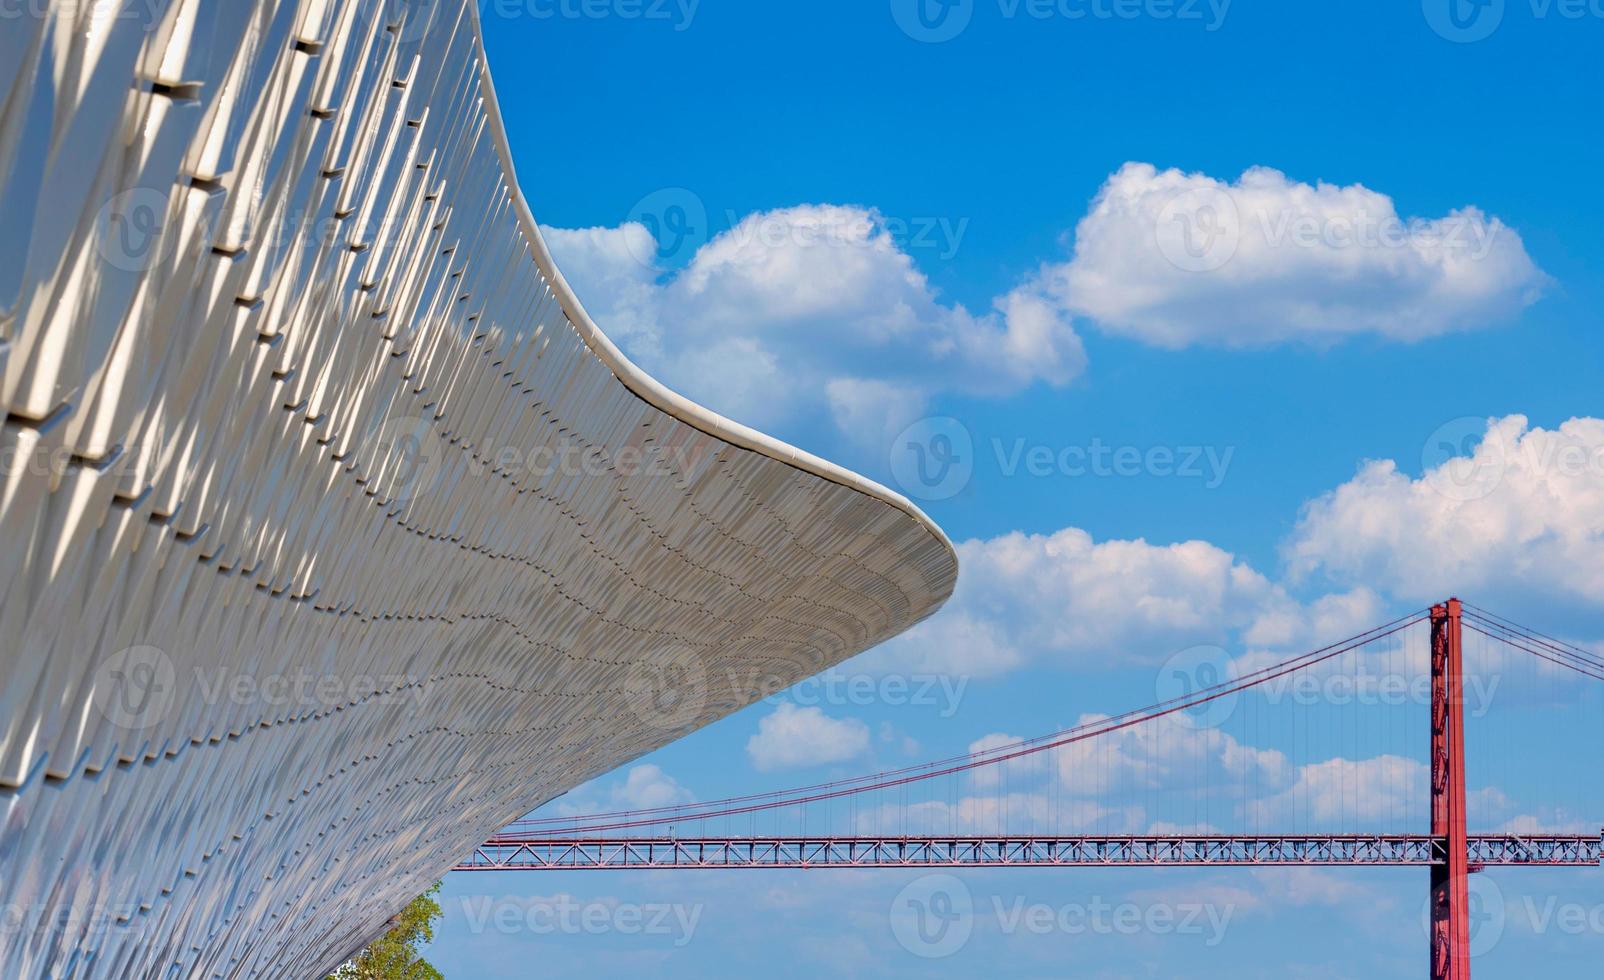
(899, 237)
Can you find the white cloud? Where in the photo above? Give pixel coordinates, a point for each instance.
(959, 642)
(1520, 516)
(987, 777)
(1160, 756)
(1069, 598)
(1387, 789)
(998, 813)
(815, 309)
(1175, 260)
(791, 737)
(644, 787)
(648, 786)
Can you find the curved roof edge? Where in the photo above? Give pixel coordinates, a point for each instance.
(648, 388)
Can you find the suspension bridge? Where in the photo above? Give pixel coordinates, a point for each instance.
(1383, 750)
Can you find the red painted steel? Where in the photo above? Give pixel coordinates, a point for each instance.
(523, 853)
(1450, 878)
(580, 843)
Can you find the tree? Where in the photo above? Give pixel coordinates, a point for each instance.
(394, 956)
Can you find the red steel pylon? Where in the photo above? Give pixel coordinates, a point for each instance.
(1450, 880)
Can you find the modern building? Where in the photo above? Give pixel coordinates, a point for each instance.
(333, 534)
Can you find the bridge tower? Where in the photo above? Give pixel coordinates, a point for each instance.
(1450, 877)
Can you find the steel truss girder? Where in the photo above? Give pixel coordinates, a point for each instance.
(549, 854)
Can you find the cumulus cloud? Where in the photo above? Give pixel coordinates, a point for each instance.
(818, 309)
(814, 309)
(1521, 513)
(644, 787)
(1069, 599)
(996, 813)
(1515, 512)
(1164, 757)
(791, 737)
(1386, 788)
(1175, 260)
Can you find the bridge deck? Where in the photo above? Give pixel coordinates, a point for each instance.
(551, 854)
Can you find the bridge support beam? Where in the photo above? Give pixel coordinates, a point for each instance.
(1450, 878)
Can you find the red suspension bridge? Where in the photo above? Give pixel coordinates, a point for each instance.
(1326, 745)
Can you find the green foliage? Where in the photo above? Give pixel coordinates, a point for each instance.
(394, 956)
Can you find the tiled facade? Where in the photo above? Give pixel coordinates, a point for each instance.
(333, 534)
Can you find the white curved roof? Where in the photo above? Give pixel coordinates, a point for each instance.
(335, 534)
